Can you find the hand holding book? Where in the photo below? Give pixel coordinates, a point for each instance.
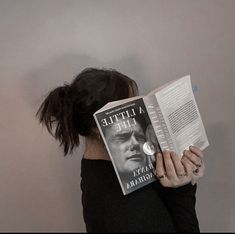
(173, 171)
(170, 169)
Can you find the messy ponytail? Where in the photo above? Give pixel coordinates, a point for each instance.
(68, 111)
(56, 114)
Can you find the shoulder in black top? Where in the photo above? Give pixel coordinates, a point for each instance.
(152, 208)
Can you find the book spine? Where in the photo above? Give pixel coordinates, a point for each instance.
(159, 124)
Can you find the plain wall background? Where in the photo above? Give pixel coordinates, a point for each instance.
(44, 43)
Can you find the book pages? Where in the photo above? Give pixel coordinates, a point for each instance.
(181, 114)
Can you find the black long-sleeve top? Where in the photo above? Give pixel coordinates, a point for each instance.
(153, 208)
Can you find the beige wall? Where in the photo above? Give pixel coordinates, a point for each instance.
(46, 42)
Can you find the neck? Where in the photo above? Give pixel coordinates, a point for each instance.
(95, 149)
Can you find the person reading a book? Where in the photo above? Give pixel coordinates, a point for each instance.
(166, 205)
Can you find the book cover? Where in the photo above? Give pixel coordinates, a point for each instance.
(125, 129)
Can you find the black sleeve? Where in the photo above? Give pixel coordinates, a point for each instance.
(181, 205)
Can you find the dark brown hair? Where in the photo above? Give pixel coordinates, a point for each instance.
(67, 111)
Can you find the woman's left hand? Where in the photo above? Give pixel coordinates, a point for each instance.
(173, 171)
(170, 171)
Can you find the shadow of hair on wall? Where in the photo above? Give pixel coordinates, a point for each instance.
(39, 82)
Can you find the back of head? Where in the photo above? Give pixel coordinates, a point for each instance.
(67, 111)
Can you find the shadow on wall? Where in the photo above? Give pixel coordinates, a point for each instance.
(36, 85)
(64, 69)
(216, 190)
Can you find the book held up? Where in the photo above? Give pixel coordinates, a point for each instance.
(135, 129)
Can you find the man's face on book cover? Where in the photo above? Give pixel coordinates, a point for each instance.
(126, 147)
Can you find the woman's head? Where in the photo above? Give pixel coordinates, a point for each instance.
(68, 110)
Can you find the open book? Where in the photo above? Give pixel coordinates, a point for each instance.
(134, 129)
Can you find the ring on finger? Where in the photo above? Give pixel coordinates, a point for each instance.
(198, 165)
(182, 174)
(196, 171)
(161, 176)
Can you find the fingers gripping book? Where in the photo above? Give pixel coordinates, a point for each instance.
(135, 129)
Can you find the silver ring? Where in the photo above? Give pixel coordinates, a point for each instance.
(161, 176)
